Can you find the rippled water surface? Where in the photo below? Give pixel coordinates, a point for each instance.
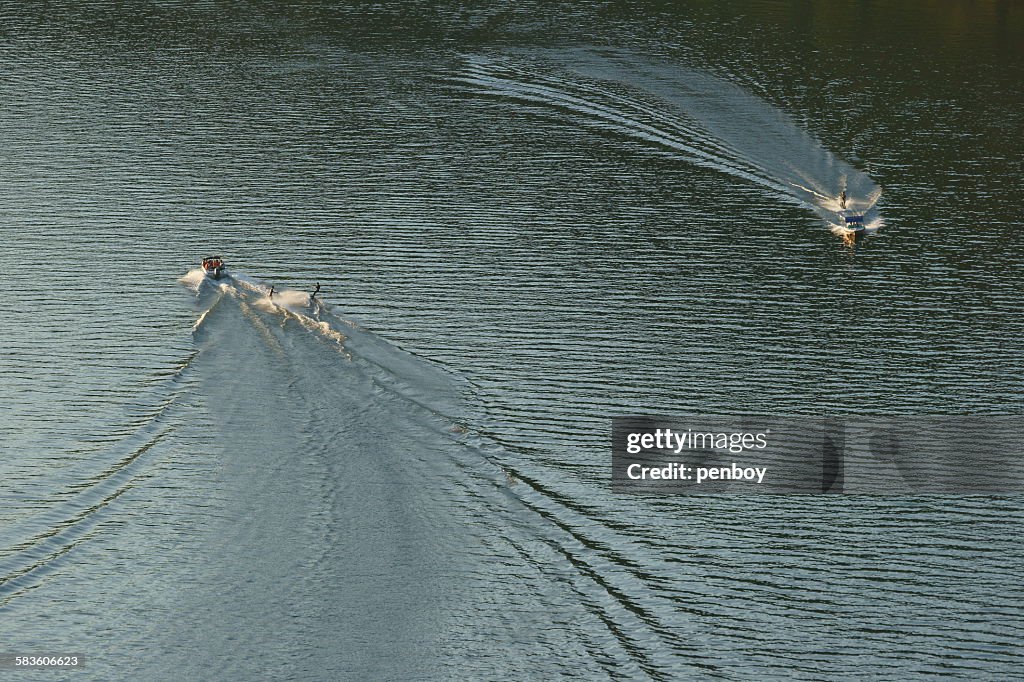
(525, 220)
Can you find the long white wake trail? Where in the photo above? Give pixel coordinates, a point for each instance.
(704, 119)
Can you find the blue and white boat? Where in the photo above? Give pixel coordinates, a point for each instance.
(852, 220)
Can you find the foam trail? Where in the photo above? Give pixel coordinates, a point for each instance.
(700, 117)
(413, 378)
(373, 432)
(193, 279)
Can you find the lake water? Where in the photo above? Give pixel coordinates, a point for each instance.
(526, 220)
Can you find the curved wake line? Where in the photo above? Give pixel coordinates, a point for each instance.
(706, 120)
(615, 122)
(614, 597)
(33, 545)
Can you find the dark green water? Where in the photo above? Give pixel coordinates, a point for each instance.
(540, 216)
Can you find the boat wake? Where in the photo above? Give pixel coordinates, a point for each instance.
(688, 113)
(414, 378)
(396, 453)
